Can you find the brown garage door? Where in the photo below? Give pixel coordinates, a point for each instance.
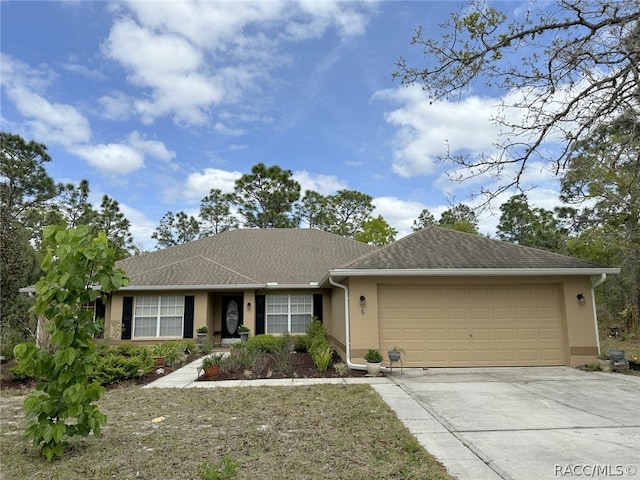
(472, 326)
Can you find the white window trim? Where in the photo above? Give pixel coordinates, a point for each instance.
(158, 316)
(289, 314)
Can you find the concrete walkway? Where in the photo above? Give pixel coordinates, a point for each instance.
(501, 423)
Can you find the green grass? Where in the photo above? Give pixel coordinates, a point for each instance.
(311, 432)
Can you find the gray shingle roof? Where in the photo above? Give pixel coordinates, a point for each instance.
(245, 257)
(441, 248)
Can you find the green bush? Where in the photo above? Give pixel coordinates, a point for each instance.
(188, 347)
(124, 362)
(238, 360)
(264, 343)
(314, 329)
(301, 343)
(322, 357)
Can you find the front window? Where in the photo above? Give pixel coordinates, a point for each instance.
(158, 316)
(288, 313)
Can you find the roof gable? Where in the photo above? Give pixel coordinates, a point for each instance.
(438, 248)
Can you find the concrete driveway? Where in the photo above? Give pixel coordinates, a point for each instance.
(522, 423)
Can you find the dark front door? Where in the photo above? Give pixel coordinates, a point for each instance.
(231, 316)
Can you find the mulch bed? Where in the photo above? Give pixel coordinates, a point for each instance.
(301, 364)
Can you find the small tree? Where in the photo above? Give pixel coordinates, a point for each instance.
(78, 270)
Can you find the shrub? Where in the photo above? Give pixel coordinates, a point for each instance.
(300, 342)
(188, 347)
(240, 359)
(314, 329)
(322, 357)
(125, 362)
(341, 368)
(264, 343)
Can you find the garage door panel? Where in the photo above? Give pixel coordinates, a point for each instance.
(549, 334)
(481, 326)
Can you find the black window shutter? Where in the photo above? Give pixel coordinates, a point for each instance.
(127, 317)
(188, 316)
(99, 310)
(317, 306)
(260, 313)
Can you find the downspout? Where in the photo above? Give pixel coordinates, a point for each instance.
(594, 284)
(354, 366)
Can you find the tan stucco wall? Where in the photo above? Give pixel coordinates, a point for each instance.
(580, 344)
(335, 324)
(208, 310)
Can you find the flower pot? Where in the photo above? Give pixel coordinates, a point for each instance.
(158, 360)
(201, 338)
(212, 371)
(394, 355)
(244, 336)
(373, 369)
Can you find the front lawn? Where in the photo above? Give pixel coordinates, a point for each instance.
(324, 431)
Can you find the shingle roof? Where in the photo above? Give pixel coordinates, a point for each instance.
(440, 248)
(245, 257)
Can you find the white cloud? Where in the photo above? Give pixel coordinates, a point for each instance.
(153, 148)
(398, 213)
(230, 132)
(47, 121)
(112, 158)
(179, 47)
(427, 131)
(323, 184)
(116, 106)
(198, 184)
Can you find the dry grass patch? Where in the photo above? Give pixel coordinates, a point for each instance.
(324, 431)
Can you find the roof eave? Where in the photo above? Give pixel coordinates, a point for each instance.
(468, 272)
(250, 286)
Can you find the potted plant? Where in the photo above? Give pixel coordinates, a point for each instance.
(373, 359)
(158, 353)
(211, 365)
(201, 334)
(244, 333)
(394, 354)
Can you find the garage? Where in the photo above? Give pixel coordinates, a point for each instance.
(467, 325)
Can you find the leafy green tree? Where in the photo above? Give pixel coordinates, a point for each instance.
(266, 197)
(73, 202)
(176, 229)
(566, 65)
(215, 213)
(425, 219)
(377, 232)
(24, 186)
(25, 181)
(347, 212)
(603, 179)
(313, 209)
(63, 404)
(532, 227)
(111, 220)
(460, 217)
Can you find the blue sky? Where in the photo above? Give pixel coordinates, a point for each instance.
(157, 102)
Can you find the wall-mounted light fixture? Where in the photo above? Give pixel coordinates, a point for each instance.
(363, 301)
(248, 305)
(580, 298)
